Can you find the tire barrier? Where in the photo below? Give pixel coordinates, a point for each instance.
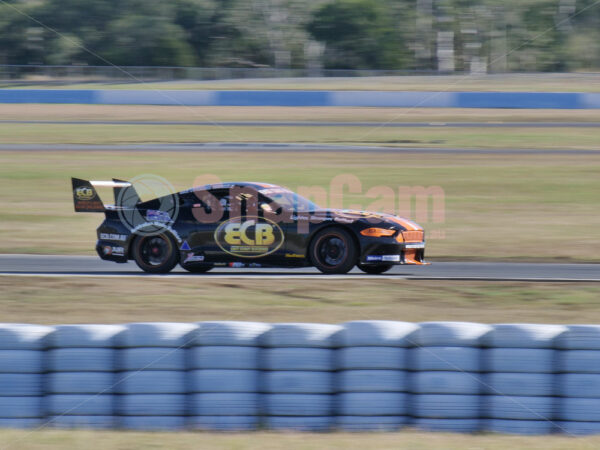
(299, 378)
(152, 380)
(22, 367)
(520, 362)
(578, 381)
(357, 376)
(81, 376)
(447, 383)
(225, 362)
(398, 99)
(372, 378)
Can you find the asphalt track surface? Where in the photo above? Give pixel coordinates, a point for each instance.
(316, 124)
(223, 147)
(84, 266)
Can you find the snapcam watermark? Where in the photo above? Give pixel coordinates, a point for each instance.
(306, 204)
(163, 206)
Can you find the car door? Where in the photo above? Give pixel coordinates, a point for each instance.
(203, 212)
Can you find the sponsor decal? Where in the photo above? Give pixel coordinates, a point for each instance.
(194, 258)
(341, 219)
(415, 245)
(386, 258)
(92, 206)
(158, 228)
(157, 216)
(113, 237)
(84, 193)
(250, 237)
(239, 265)
(185, 246)
(300, 217)
(115, 251)
(294, 255)
(89, 205)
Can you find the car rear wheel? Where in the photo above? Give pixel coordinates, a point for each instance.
(375, 269)
(156, 253)
(197, 269)
(333, 251)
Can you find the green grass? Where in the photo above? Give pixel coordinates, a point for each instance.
(556, 138)
(516, 207)
(52, 300)
(522, 207)
(272, 113)
(122, 440)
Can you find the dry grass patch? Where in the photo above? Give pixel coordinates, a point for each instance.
(119, 300)
(269, 113)
(123, 440)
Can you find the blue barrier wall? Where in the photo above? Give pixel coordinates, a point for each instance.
(362, 375)
(546, 100)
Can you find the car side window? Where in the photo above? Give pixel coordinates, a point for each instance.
(269, 206)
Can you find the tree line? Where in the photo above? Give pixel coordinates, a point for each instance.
(444, 35)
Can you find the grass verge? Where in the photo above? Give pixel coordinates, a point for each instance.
(522, 207)
(119, 300)
(537, 82)
(57, 439)
(270, 113)
(551, 138)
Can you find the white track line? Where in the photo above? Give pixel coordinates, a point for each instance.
(292, 277)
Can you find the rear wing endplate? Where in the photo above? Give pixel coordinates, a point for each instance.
(86, 198)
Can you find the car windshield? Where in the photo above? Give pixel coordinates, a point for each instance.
(289, 200)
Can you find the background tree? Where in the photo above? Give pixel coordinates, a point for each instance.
(358, 34)
(513, 35)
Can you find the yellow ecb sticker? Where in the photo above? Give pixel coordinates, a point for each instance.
(250, 237)
(84, 193)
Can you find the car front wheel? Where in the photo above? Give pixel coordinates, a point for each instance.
(333, 251)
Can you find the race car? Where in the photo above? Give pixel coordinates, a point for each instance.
(244, 224)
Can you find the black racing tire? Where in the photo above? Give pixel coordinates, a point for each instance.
(333, 250)
(155, 253)
(375, 269)
(197, 269)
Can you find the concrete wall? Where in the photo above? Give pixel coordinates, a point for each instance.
(546, 100)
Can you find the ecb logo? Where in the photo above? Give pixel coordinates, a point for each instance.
(251, 237)
(84, 193)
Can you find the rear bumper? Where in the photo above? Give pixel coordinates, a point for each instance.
(111, 251)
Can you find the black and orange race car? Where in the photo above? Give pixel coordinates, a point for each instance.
(244, 225)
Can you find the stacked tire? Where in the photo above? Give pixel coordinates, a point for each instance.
(21, 374)
(520, 384)
(579, 380)
(299, 383)
(81, 364)
(372, 364)
(446, 379)
(152, 377)
(224, 362)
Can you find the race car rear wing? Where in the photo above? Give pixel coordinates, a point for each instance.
(86, 198)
